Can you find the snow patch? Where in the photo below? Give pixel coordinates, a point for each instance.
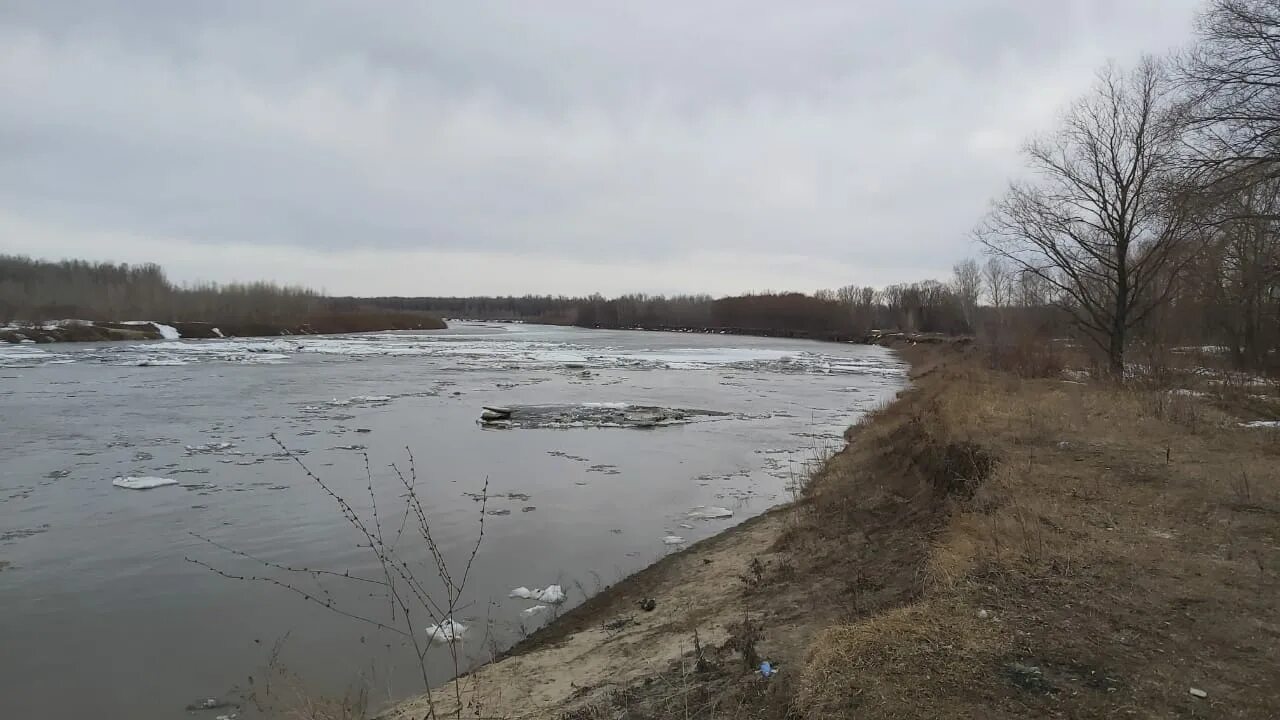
(218, 333)
(1261, 424)
(142, 483)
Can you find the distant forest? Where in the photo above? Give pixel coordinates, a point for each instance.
(32, 291)
(846, 314)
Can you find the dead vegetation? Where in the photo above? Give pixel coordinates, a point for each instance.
(1121, 551)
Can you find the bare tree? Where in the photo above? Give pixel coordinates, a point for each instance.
(998, 280)
(966, 283)
(1102, 222)
(1233, 74)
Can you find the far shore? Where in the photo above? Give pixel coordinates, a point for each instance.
(106, 331)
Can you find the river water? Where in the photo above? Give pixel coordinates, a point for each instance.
(108, 605)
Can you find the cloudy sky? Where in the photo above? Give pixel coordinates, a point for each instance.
(474, 147)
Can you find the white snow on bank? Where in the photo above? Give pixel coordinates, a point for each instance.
(710, 513)
(167, 332)
(446, 632)
(142, 483)
(1261, 424)
(554, 594)
(218, 332)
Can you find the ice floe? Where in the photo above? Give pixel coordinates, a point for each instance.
(672, 540)
(598, 415)
(142, 483)
(210, 447)
(530, 612)
(446, 632)
(709, 513)
(553, 594)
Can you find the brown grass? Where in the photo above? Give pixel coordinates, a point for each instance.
(1125, 549)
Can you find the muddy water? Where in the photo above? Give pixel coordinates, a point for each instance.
(621, 435)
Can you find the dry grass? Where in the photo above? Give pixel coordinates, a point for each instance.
(1125, 549)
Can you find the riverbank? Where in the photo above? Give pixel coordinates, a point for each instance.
(324, 324)
(986, 546)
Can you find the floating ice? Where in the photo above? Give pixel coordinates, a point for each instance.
(554, 594)
(673, 540)
(446, 632)
(530, 612)
(212, 447)
(160, 362)
(710, 513)
(371, 399)
(142, 483)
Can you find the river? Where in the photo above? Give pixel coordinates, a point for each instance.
(108, 605)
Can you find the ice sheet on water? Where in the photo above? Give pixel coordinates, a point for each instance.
(530, 612)
(553, 594)
(24, 355)
(709, 513)
(600, 415)
(209, 447)
(159, 362)
(142, 483)
(446, 632)
(672, 540)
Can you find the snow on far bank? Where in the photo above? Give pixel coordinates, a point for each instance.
(167, 332)
(1261, 424)
(142, 483)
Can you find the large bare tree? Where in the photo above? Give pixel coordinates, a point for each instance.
(1233, 78)
(1101, 219)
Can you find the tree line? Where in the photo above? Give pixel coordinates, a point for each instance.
(32, 291)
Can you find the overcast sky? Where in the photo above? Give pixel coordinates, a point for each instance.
(428, 148)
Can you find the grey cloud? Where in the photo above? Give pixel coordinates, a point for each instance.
(866, 134)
